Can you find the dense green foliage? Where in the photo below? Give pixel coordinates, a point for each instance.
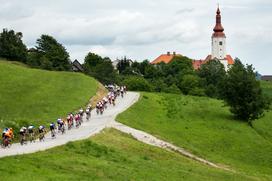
(100, 68)
(174, 77)
(137, 83)
(205, 127)
(242, 92)
(110, 155)
(212, 74)
(37, 97)
(49, 55)
(12, 46)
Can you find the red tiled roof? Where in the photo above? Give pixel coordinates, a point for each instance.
(164, 58)
(230, 60)
(197, 63)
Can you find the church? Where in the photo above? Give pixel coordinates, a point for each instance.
(218, 52)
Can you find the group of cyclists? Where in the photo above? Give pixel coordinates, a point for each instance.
(30, 133)
(114, 92)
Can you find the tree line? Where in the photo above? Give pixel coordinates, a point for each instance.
(238, 86)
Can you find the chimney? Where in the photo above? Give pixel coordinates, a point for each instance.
(168, 53)
(174, 53)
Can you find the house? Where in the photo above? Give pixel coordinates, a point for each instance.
(77, 67)
(165, 58)
(267, 78)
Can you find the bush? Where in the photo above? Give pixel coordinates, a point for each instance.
(137, 83)
(190, 84)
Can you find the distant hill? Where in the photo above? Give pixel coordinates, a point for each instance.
(37, 96)
(205, 127)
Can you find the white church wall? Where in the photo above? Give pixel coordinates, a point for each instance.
(219, 48)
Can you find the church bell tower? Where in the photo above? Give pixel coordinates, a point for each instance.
(219, 40)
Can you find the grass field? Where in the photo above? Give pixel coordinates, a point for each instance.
(37, 96)
(206, 128)
(267, 88)
(110, 155)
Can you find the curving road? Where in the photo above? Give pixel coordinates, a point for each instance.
(87, 129)
(96, 124)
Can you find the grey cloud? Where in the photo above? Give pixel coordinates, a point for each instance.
(144, 28)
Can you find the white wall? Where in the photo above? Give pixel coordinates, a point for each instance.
(219, 51)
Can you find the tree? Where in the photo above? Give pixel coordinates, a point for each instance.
(212, 74)
(99, 68)
(49, 54)
(242, 92)
(12, 46)
(137, 83)
(190, 84)
(123, 65)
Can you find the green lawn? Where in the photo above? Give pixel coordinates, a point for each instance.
(111, 155)
(206, 128)
(267, 87)
(37, 96)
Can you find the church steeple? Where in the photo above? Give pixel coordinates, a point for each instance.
(218, 29)
(218, 39)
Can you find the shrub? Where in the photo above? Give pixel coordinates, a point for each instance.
(137, 83)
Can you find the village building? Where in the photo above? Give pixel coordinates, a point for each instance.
(77, 67)
(267, 78)
(218, 52)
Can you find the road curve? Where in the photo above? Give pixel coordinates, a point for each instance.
(87, 129)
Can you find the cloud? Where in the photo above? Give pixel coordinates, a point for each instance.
(143, 29)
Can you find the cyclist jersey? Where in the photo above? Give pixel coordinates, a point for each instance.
(52, 126)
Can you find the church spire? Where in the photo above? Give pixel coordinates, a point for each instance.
(218, 29)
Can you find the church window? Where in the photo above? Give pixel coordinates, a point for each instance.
(220, 43)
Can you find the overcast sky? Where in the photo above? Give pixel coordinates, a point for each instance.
(144, 29)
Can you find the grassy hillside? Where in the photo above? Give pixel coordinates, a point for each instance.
(37, 96)
(110, 155)
(206, 128)
(264, 125)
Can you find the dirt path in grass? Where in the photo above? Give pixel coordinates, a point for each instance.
(96, 124)
(151, 140)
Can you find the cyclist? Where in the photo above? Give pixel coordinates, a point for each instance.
(122, 91)
(52, 129)
(77, 119)
(88, 112)
(62, 127)
(81, 112)
(69, 121)
(31, 133)
(7, 137)
(23, 132)
(59, 124)
(41, 132)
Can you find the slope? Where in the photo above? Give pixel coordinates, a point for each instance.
(206, 128)
(37, 96)
(110, 155)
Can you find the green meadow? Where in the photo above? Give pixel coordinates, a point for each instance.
(206, 128)
(37, 96)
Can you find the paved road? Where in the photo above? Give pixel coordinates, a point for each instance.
(87, 129)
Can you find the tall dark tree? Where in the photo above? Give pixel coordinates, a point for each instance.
(100, 68)
(242, 92)
(12, 46)
(49, 54)
(123, 65)
(212, 74)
